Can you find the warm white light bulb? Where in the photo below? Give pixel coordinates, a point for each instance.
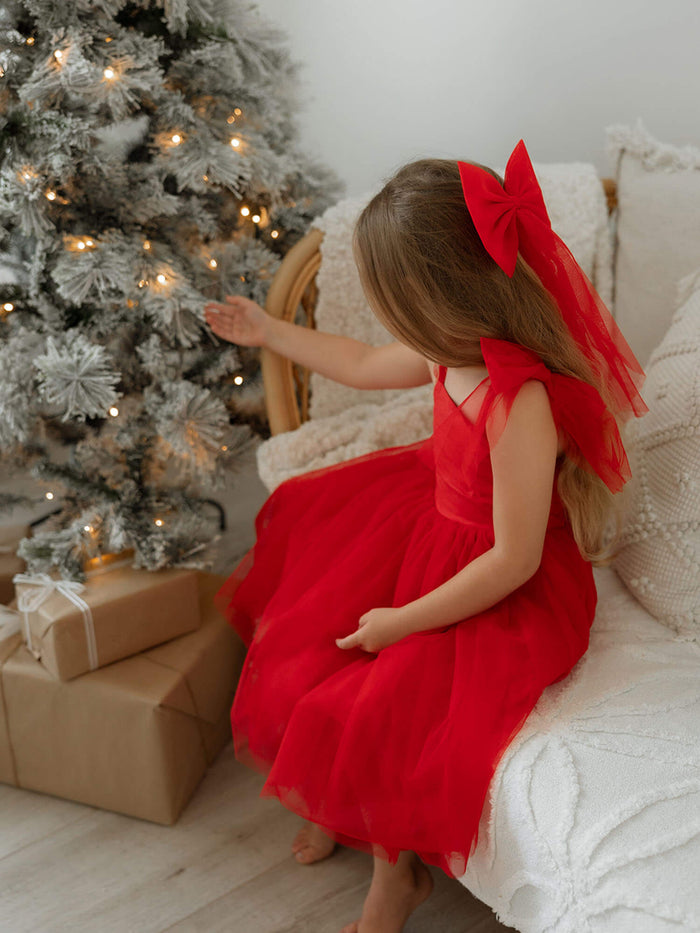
(235, 142)
(256, 218)
(146, 244)
(81, 244)
(109, 73)
(49, 495)
(176, 139)
(51, 195)
(8, 306)
(238, 111)
(31, 40)
(159, 522)
(213, 263)
(275, 234)
(114, 411)
(87, 528)
(238, 380)
(143, 283)
(224, 447)
(161, 278)
(89, 242)
(58, 55)
(245, 211)
(231, 119)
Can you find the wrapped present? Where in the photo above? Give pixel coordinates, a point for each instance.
(74, 627)
(135, 737)
(10, 564)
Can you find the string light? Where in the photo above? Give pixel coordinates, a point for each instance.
(30, 40)
(49, 495)
(158, 522)
(114, 411)
(205, 178)
(8, 306)
(274, 234)
(109, 74)
(245, 211)
(81, 244)
(108, 38)
(58, 55)
(224, 447)
(146, 244)
(213, 263)
(235, 142)
(2, 72)
(231, 119)
(143, 283)
(238, 380)
(161, 279)
(237, 111)
(256, 218)
(176, 139)
(88, 528)
(51, 195)
(90, 243)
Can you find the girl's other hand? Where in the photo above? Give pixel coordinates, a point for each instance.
(239, 320)
(376, 629)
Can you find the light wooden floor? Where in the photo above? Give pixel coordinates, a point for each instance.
(224, 866)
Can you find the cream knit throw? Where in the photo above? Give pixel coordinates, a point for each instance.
(660, 549)
(346, 422)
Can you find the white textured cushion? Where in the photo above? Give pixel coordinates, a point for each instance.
(321, 442)
(660, 548)
(658, 230)
(592, 820)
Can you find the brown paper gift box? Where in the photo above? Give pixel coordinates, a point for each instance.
(135, 737)
(10, 564)
(131, 610)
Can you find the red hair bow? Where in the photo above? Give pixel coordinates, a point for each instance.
(512, 218)
(497, 211)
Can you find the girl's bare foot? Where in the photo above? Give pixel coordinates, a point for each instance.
(394, 894)
(311, 844)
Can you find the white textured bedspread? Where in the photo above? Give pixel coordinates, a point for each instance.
(592, 823)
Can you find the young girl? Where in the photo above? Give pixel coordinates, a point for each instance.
(404, 610)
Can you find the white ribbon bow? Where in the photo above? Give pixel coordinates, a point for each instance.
(30, 601)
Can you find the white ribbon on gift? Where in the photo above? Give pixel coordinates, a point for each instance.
(29, 601)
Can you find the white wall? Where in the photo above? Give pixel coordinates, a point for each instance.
(387, 81)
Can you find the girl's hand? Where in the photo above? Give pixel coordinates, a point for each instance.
(239, 320)
(376, 629)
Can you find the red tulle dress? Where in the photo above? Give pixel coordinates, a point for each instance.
(395, 750)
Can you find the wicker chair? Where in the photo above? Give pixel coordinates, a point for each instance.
(292, 297)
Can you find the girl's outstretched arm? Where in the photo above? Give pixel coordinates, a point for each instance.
(523, 461)
(348, 361)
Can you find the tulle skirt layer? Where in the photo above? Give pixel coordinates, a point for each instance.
(393, 750)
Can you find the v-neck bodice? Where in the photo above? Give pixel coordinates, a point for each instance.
(461, 451)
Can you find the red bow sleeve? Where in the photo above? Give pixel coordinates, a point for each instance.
(592, 434)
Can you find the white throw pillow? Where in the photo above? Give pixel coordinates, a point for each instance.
(659, 560)
(657, 238)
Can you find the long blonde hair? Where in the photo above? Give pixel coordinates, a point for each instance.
(430, 281)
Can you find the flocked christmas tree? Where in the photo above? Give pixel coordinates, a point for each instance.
(149, 163)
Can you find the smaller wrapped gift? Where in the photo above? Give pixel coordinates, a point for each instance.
(74, 627)
(135, 737)
(10, 564)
